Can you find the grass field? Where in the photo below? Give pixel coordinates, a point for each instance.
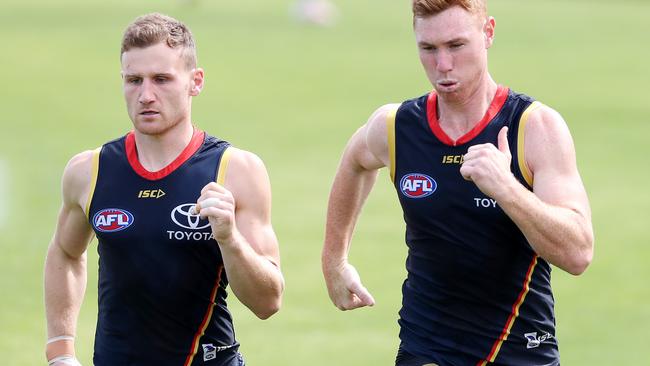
(294, 94)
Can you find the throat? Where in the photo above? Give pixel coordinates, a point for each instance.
(456, 124)
(155, 161)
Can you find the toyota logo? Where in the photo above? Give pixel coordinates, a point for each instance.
(183, 217)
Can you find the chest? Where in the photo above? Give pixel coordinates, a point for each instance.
(428, 180)
(128, 210)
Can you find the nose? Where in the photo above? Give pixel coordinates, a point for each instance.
(444, 61)
(147, 95)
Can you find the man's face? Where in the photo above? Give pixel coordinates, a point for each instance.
(158, 87)
(453, 50)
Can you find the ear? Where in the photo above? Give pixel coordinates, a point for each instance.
(488, 31)
(196, 84)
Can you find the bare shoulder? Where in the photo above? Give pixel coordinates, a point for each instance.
(77, 177)
(548, 139)
(547, 120)
(377, 123)
(73, 232)
(376, 132)
(551, 157)
(246, 175)
(244, 162)
(380, 115)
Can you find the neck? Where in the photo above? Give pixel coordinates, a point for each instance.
(458, 114)
(157, 151)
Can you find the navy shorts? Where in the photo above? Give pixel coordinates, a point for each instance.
(232, 360)
(239, 360)
(406, 359)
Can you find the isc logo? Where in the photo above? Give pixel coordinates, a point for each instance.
(416, 185)
(112, 219)
(453, 159)
(151, 193)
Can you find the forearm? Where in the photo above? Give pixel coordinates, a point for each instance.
(350, 189)
(563, 236)
(255, 280)
(64, 287)
(349, 192)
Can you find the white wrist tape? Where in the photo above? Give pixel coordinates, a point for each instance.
(64, 360)
(60, 338)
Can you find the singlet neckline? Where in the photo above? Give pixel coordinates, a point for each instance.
(432, 116)
(189, 150)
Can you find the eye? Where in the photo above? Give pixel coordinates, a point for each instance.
(426, 47)
(134, 80)
(161, 79)
(456, 45)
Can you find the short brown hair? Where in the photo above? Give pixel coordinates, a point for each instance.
(151, 29)
(427, 8)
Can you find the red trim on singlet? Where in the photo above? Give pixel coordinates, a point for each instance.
(204, 323)
(132, 156)
(513, 314)
(494, 108)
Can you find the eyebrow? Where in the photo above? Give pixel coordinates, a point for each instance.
(157, 74)
(456, 40)
(451, 41)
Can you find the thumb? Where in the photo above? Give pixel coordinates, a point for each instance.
(502, 141)
(362, 293)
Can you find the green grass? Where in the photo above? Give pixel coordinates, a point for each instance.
(294, 94)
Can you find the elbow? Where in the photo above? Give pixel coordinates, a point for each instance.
(269, 309)
(272, 304)
(583, 258)
(579, 265)
(269, 303)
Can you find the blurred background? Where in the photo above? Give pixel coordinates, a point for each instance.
(293, 92)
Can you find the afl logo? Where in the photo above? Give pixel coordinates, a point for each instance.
(112, 219)
(183, 216)
(416, 185)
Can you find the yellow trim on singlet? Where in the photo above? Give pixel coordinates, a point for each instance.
(94, 171)
(206, 320)
(221, 179)
(528, 176)
(223, 166)
(513, 316)
(390, 130)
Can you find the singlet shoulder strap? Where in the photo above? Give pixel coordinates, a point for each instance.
(521, 159)
(223, 165)
(390, 130)
(94, 172)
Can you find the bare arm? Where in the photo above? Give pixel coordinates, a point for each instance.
(241, 223)
(365, 153)
(65, 264)
(555, 217)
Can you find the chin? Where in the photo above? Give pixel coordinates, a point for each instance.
(449, 94)
(150, 128)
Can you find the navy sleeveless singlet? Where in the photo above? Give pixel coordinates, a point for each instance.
(162, 286)
(476, 293)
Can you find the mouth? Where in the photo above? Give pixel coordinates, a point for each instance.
(149, 112)
(446, 84)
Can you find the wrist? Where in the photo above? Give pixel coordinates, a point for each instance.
(230, 242)
(58, 347)
(65, 360)
(509, 190)
(333, 265)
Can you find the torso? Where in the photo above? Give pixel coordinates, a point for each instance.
(162, 287)
(473, 279)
